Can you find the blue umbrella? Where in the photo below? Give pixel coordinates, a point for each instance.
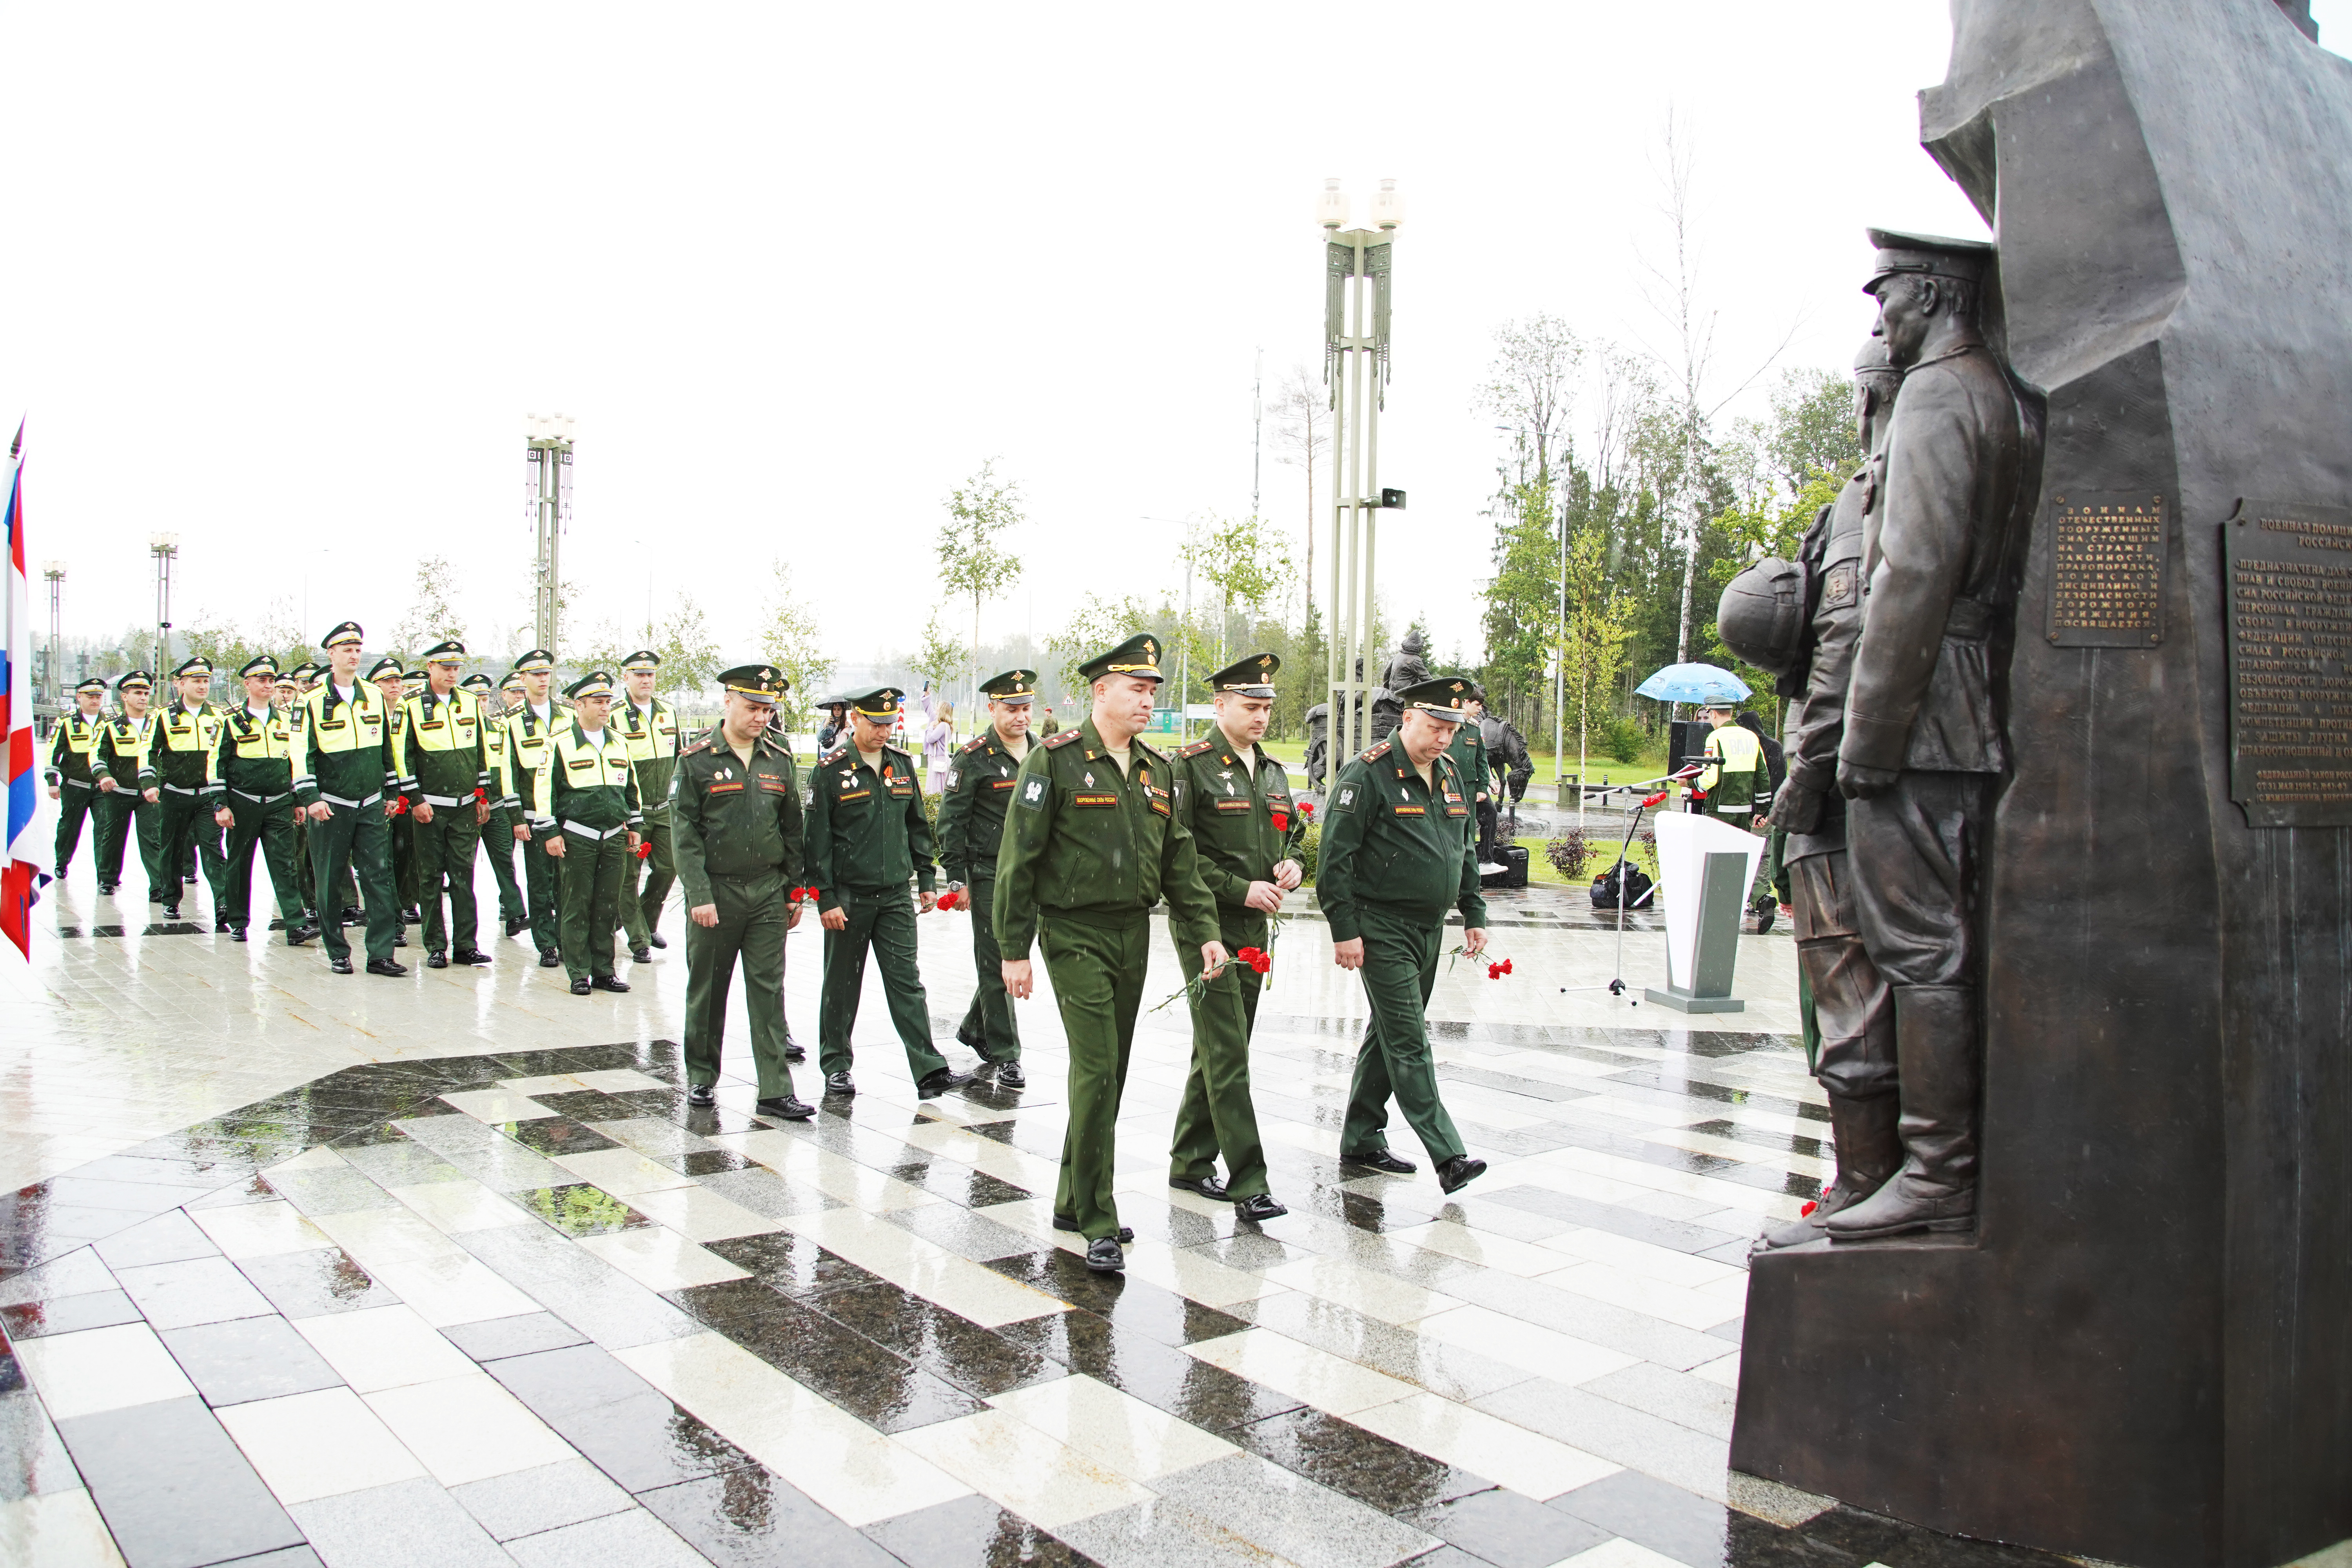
(1693, 683)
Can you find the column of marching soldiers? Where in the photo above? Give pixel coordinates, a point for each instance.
(370, 794)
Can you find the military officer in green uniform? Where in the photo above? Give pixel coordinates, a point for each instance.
(255, 764)
(289, 703)
(498, 827)
(342, 769)
(971, 826)
(649, 726)
(1094, 840)
(71, 784)
(127, 795)
(1468, 751)
(186, 733)
(868, 837)
(1399, 844)
(587, 795)
(1236, 804)
(529, 725)
(735, 810)
(446, 779)
(390, 678)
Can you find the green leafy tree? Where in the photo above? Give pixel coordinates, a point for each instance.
(1812, 430)
(433, 611)
(973, 564)
(1247, 562)
(940, 656)
(788, 640)
(1589, 643)
(688, 653)
(1094, 626)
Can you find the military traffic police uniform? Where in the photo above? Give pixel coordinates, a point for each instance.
(187, 736)
(402, 832)
(868, 837)
(255, 764)
(72, 746)
(587, 792)
(497, 832)
(123, 756)
(1088, 849)
(739, 836)
(442, 767)
(980, 786)
(651, 733)
(526, 750)
(342, 757)
(292, 687)
(1396, 852)
(1244, 823)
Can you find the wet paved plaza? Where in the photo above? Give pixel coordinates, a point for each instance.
(305, 1268)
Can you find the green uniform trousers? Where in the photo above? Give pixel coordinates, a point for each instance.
(542, 877)
(1399, 968)
(988, 1024)
(498, 843)
(354, 841)
(186, 830)
(306, 886)
(589, 894)
(75, 802)
(120, 813)
(1217, 1113)
(751, 915)
(885, 924)
(1097, 973)
(269, 828)
(405, 883)
(641, 907)
(444, 853)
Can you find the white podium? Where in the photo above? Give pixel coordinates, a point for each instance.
(1705, 870)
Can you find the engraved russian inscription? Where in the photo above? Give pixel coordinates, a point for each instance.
(2107, 582)
(2289, 571)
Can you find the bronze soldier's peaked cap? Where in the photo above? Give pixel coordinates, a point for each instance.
(1137, 656)
(760, 682)
(1251, 677)
(1017, 686)
(1932, 254)
(1448, 697)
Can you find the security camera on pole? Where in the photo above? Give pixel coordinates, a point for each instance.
(1357, 270)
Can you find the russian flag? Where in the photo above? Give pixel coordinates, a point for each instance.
(22, 875)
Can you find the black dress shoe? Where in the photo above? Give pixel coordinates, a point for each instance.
(469, 955)
(189, 880)
(353, 914)
(794, 1053)
(297, 935)
(171, 912)
(1459, 1172)
(581, 987)
(610, 982)
(399, 939)
(220, 926)
(838, 1083)
(784, 1108)
(1259, 1207)
(1104, 1257)
(971, 1042)
(391, 969)
(657, 940)
(1068, 1222)
(340, 965)
(1010, 1075)
(236, 934)
(701, 1095)
(155, 895)
(1208, 1187)
(550, 960)
(641, 955)
(437, 961)
(1380, 1160)
(514, 927)
(939, 1080)
(106, 890)
(410, 916)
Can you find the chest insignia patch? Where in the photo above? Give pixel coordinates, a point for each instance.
(1090, 777)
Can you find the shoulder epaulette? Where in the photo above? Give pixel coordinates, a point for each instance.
(699, 743)
(1196, 748)
(1063, 739)
(1378, 752)
(975, 743)
(829, 755)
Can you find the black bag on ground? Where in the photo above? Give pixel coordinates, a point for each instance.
(1513, 858)
(1638, 889)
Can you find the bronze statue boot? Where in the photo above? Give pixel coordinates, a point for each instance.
(1867, 1155)
(1936, 1051)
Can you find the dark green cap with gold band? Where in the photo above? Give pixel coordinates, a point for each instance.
(479, 685)
(450, 652)
(595, 683)
(1137, 656)
(136, 681)
(643, 658)
(349, 631)
(92, 683)
(760, 682)
(1017, 686)
(387, 666)
(196, 664)
(538, 661)
(1251, 677)
(1448, 697)
(877, 701)
(260, 664)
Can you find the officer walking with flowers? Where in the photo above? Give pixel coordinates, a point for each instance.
(1237, 804)
(971, 829)
(587, 799)
(1094, 841)
(736, 830)
(1399, 844)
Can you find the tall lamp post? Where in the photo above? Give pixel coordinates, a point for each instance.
(1357, 273)
(547, 488)
(54, 573)
(165, 549)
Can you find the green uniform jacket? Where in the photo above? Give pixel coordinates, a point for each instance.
(728, 819)
(182, 751)
(73, 745)
(518, 762)
(1245, 822)
(980, 782)
(256, 755)
(439, 749)
(867, 830)
(1388, 840)
(343, 750)
(1087, 842)
(585, 785)
(653, 751)
(121, 753)
(1468, 750)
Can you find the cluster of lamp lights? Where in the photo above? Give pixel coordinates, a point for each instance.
(548, 429)
(1332, 209)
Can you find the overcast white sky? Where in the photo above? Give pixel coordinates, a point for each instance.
(286, 278)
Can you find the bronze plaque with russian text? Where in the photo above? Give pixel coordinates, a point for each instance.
(2107, 588)
(2289, 578)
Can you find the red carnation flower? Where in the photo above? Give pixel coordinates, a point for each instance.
(644, 848)
(949, 900)
(1307, 809)
(1282, 822)
(1806, 1210)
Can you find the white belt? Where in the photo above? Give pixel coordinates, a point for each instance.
(350, 804)
(447, 800)
(262, 799)
(587, 832)
(76, 783)
(176, 789)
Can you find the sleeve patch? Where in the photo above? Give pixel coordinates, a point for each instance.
(1346, 799)
(1034, 790)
